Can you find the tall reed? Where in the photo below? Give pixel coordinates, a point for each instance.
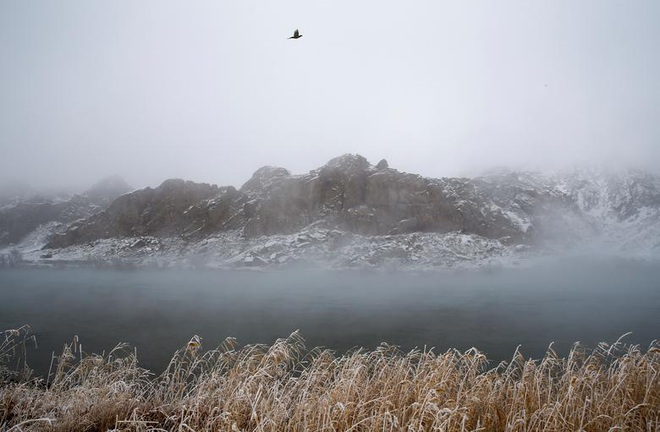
(285, 387)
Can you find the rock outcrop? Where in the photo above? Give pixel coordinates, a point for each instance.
(159, 212)
(351, 196)
(347, 193)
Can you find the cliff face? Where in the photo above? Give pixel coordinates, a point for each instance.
(351, 195)
(347, 193)
(157, 212)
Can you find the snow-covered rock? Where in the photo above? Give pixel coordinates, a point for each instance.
(349, 213)
(23, 210)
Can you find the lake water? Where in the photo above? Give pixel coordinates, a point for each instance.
(157, 311)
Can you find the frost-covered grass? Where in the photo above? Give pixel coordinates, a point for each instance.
(284, 387)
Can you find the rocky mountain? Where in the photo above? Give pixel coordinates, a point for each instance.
(24, 210)
(349, 212)
(347, 193)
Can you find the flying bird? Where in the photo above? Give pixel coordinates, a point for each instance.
(296, 35)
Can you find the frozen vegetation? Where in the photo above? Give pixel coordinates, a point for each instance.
(285, 387)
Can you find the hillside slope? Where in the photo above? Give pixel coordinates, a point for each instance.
(349, 212)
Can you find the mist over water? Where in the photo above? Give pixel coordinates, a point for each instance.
(561, 301)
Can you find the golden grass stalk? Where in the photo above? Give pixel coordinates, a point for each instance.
(284, 387)
(13, 354)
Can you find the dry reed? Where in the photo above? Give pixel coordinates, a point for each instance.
(284, 387)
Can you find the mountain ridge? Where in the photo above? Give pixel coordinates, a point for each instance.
(348, 203)
(23, 212)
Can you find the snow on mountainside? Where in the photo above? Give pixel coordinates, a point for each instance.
(30, 218)
(624, 204)
(349, 213)
(313, 246)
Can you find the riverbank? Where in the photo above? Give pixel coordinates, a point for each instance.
(285, 387)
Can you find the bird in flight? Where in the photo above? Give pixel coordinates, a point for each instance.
(296, 35)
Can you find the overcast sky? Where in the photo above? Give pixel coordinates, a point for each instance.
(212, 90)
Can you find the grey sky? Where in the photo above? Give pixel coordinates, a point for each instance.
(212, 90)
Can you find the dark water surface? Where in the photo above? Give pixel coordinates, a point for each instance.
(158, 311)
